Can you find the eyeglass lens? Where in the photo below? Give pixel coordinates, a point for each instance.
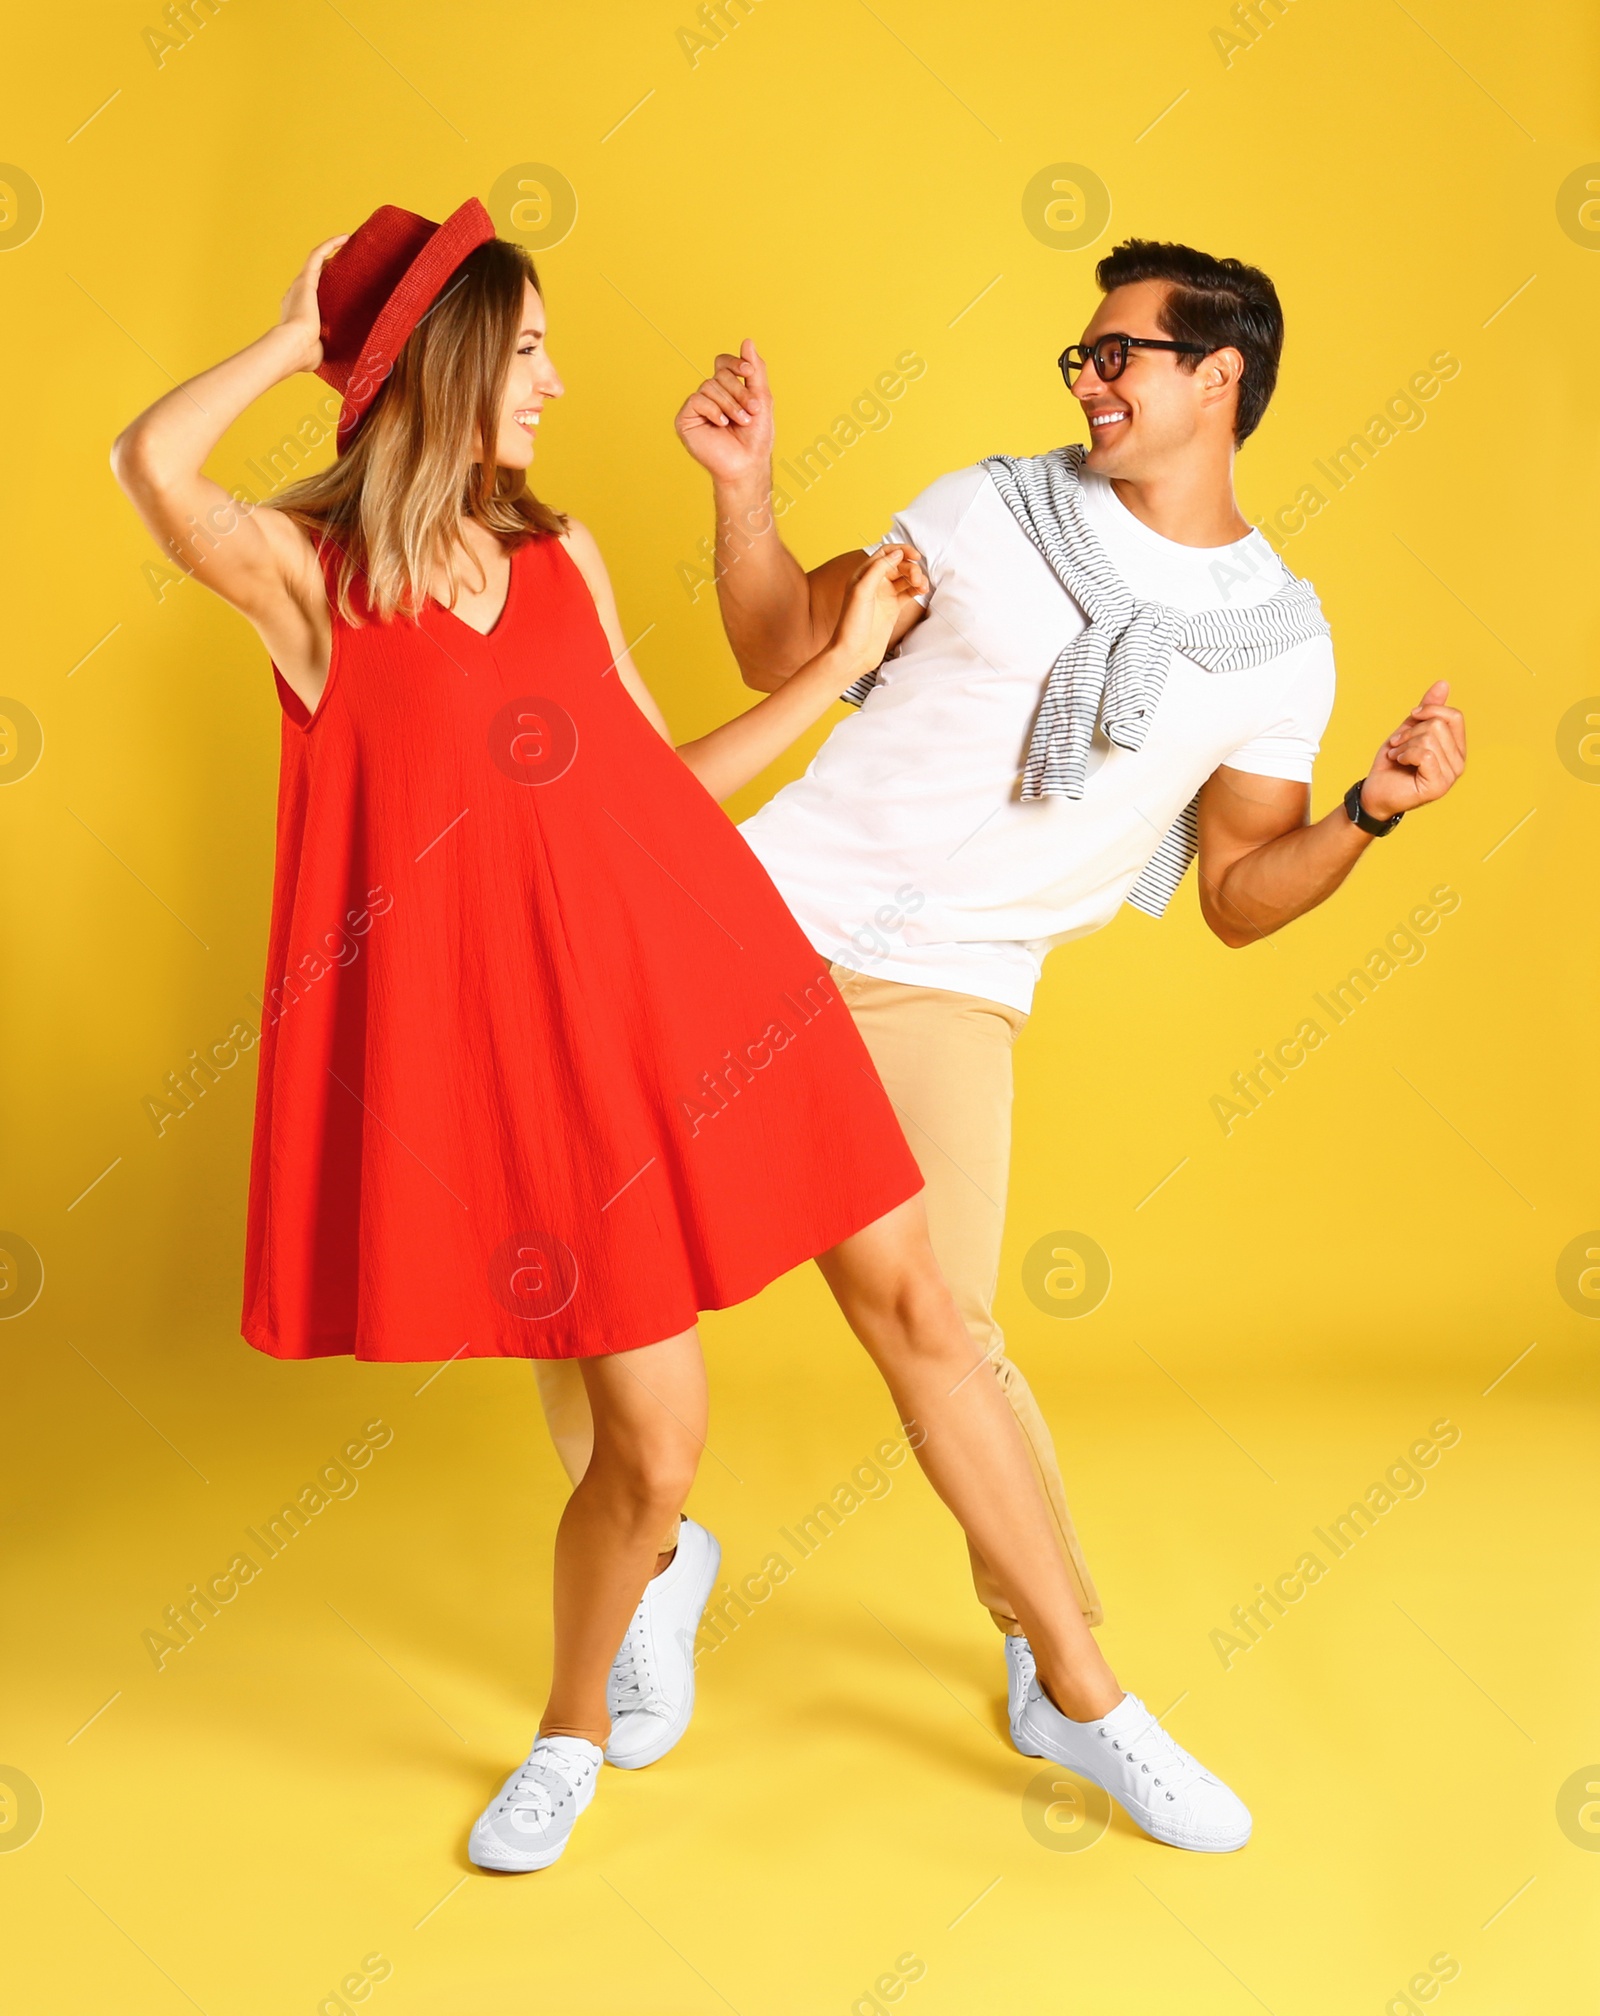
(1108, 356)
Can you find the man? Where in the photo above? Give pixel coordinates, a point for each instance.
(1112, 672)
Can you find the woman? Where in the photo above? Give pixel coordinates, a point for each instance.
(547, 1067)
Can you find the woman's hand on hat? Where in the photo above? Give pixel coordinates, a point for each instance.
(300, 314)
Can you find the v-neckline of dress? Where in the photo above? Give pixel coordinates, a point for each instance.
(500, 615)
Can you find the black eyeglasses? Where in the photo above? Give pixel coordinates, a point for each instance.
(1109, 354)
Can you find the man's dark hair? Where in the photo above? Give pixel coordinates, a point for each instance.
(1221, 303)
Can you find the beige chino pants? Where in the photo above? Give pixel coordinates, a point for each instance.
(945, 1061)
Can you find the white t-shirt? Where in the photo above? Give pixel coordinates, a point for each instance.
(907, 851)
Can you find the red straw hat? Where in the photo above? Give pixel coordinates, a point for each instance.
(376, 289)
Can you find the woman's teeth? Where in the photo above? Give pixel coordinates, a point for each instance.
(528, 417)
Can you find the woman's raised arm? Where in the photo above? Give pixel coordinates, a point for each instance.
(257, 560)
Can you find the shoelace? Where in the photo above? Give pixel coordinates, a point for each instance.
(633, 1689)
(527, 1795)
(1156, 1747)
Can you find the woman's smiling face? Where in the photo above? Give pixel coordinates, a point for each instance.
(531, 380)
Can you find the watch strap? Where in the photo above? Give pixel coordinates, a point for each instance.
(1360, 816)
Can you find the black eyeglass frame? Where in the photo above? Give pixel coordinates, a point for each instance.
(1077, 356)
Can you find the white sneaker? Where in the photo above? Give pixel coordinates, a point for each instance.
(529, 1822)
(1019, 1678)
(1128, 1754)
(650, 1694)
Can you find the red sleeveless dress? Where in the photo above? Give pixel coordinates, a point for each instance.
(546, 1066)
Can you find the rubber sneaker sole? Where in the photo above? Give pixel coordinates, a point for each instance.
(501, 1860)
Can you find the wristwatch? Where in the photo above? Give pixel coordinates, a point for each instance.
(1359, 816)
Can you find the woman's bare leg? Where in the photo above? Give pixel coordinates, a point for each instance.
(967, 1440)
(649, 1409)
(565, 1400)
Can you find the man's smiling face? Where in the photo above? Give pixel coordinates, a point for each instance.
(1153, 410)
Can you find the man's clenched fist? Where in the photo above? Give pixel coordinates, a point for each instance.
(726, 424)
(1421, 759)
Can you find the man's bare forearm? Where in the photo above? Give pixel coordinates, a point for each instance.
(1283, 879)
(762, 589)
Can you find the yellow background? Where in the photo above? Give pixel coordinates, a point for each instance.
(1364, 1255)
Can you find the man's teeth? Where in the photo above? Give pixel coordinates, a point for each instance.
(1106, 419)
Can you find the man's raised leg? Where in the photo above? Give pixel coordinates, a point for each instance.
(971, 1448)
(945, 1061)
(969, 1443)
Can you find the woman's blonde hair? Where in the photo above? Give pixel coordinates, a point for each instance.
(392, 503)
